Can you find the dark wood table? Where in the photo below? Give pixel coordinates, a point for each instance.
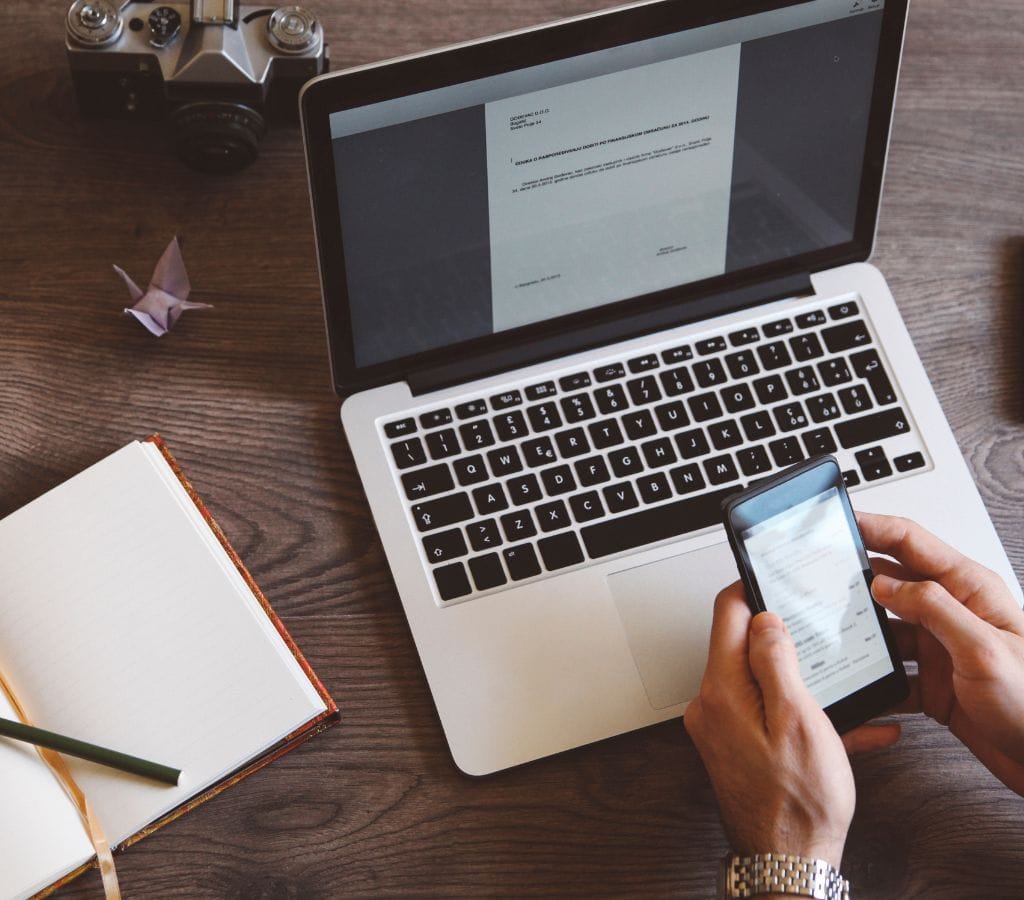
(242, 395)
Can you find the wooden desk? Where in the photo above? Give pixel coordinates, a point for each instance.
(242, 395)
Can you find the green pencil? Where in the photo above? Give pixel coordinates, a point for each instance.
(91, 752)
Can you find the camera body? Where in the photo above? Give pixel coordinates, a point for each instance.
(216, 71)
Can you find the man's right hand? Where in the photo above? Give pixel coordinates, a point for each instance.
(966, 632)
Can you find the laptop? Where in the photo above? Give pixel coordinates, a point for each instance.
(581, 283)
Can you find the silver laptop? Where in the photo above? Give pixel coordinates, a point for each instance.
(581, 283)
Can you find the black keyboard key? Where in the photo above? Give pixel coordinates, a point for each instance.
(572, 443)
(758, 425)
(426, 482)
(692, 444)
(822, 408)
(577, 408)
(470, 470)
(676, 381)
(544, 416)
(436, 418)
(625, 462)
(521, 562)
(770, 389)
(786, 451)
(476, 435)
(658, 453)
(868, 366)
(721, 469)
(538, 452)
(611, 399)
(873, 464)
(687, 479)
(518, 526)
(806, 347)
(490, 499)
(908, 462)
(672, 415)
(737, 398)
(819, 441)
(575, 382)
(591, 471)
(471, 410)
(444, 546)
(644, 390)
(524, 489)
(654, 488)
(855, 400)
(809, 320)
(704, 407)
(834, 372)
(851, 478)
(746, 336)
(676, 355)
(443, 444)
(742, 364)
(639, 424)
(709, 372)
(871, 428)
(774, 329)
(848, 336)
(544, 390)
(620, 497)
(558, 480)
(586, 507)
(553, 516)
(504, 401)
(442, 512)
(656, 523)
(711, 345)
(802, 380)
(484, 535)
(609, 372)
(790, 416)
(452, 582)
(560, 551)
(753, 461)
(511, 425)
(400, 428)
(605, 434)
(408, 453)
(643, 363)
(725, 435)
(843, 310)
(774, 356)
(487, 572)
(505, 461)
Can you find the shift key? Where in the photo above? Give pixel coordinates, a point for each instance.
(873, 428)
(442, 512)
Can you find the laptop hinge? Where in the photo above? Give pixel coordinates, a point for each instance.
(539, 350)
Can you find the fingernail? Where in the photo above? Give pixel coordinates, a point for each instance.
(883, 587)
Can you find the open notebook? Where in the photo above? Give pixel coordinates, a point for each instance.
(126, 620)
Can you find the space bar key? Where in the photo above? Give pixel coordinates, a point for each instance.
(658, 523)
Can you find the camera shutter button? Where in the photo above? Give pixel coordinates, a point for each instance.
(94, 23)
(292, 29)
(164, 25)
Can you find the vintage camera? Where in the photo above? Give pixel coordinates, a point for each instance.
(216, 71)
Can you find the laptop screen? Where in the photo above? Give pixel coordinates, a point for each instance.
(506, 201)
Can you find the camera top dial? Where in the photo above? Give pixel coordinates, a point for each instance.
(292, 29)
(94, 23)
(164, 25)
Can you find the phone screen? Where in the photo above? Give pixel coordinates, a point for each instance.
(810, 572)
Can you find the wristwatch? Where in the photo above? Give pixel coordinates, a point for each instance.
(780, 873)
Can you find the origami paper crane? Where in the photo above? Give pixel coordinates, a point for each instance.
(166, 298)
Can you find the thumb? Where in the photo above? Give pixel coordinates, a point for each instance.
(774, 664)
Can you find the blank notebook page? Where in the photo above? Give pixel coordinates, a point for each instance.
(125, 623)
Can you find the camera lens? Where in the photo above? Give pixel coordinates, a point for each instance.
(218, 137)
(94, 23)
(292, 29)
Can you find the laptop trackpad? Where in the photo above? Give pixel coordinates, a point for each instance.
(666, 609)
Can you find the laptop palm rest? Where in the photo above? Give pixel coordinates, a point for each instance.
(666, 608)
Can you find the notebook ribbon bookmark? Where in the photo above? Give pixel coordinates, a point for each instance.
(59, 767)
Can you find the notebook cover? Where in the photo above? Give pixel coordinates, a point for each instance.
(320, 723)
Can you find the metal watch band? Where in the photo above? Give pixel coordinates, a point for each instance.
(782, 873)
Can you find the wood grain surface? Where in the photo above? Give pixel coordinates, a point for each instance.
(242, 395)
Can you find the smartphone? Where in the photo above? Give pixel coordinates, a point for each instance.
(801, 556)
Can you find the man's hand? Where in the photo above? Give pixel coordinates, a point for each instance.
(778, 767)
(966, 632)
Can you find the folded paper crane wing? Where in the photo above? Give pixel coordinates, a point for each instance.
(166, 298)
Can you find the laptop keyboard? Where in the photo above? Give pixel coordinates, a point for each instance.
(591, 463)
